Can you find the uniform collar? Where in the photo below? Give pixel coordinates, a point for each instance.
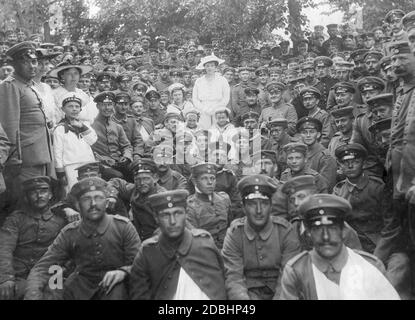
(18, 77)
(44, 216)
(264, 234)
(204, 197)
(117, 120)
(312, 115)
(89, 230)
(325, 265)
(406, 87)
(103, 119)
(360, 185)
(183, 247)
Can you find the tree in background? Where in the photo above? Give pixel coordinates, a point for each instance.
(374, 11)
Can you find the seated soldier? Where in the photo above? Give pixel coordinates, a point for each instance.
(101, 246)
(179, 263)
(25, 236)
(128, 123)
(136, 195)
(206, 208)
(279, 138)
(257, 246)
(318, 157)
(328, 272)
(297, 190)
(371, 214)
(112, 149)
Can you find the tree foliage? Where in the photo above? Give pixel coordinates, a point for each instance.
(374, 11)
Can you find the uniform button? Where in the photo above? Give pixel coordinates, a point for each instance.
(260, 247)
(261, 257)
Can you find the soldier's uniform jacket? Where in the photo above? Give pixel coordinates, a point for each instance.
(297, 281)
(24, 238)
(324, 85)
(321, 182)
(338, 140)
(254, 261)
(172, 180)
(283, 110)
(156, 268)
(320, 160)
(156, 115)
(240, 110)
(329, 127)
(112, 246)
(363, 136)
(142, 213)
(162, 85)
(367, 199)
(24, 122)
(132, 131)
(278, 147)
(239, 105)
(4, 153)
(226, 181)
(331, 99)
(112, 141)
(211, 215)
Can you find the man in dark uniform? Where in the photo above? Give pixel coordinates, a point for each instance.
(333, 40)
(137, 193)
(279, 138)
(101, 246)
(154, 111)
(105, 81)
(129, 124)
(23, 119)
(206, 208)
(371, 214)
(178, 263)
(310, 97)
(251, 104)
(408, 22)
(343, 118)
(164, 79)
(322, 67)
(26, 235)
(297, 190)
(344, 93)
(362, 135)
(328, 272)
(112, 149)
(256, 139)
(257, 246)
(394, 19)
(318, 157)
(360, 67)
(371, 60)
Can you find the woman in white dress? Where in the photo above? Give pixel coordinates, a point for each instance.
(210, 92)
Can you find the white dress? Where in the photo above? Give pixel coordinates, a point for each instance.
(209, 96)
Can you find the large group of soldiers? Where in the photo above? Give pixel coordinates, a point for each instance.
(145, 169)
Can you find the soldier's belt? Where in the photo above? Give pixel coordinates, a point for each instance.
(262, 273)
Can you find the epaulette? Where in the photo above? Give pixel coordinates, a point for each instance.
(200, 233)
(72, 225)
(297, 258)
(280, 221)
(151, 241)
(121, 218)
(223, 194)
(237, 223)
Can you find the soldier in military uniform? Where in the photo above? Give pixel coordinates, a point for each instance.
(371, 60)
(318, 157)
(112, 149)
(311, 98)
(328, 272)
(26, 235)
(408, 23)
(23, 119)
(278, 109)
(154, 112)
(297, 190)
(164, 80)
(178, 263)
(279, 138)
(322, 67)
(250, 121)
(334, 39)
(137, 193)
(251, 104)
(394, 19)
(129, 124)
(206, 208)
(344, 119)
(257, 246)
(344, 93)
(372, 216)
(101, 246)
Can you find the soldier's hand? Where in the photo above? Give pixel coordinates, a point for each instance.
(112, 278)
(410, 195)
(71, 215)
(7, 290)
(109, 162)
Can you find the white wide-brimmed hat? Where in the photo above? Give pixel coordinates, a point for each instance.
(211, 58)
(68, 65)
